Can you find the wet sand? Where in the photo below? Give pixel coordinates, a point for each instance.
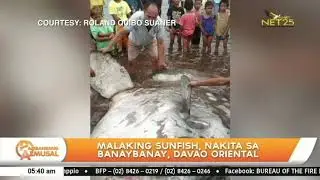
(208, 65)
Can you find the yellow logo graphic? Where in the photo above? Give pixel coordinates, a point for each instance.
(277, 20)
(25, 150)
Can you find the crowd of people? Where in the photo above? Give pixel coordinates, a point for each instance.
(195, 20)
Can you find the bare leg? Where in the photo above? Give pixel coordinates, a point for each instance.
(125, 44)
(209, 41)
(179, 42)
(216, 51)
(120, 45)
(188, 44)
(225, 46)
(205, 42)
(120, 41)
(133, 52)
(185, 44)
(172, 37)
(154, 64)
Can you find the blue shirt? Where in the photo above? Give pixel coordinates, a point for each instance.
(208, 24)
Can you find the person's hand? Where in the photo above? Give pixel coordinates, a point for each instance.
(106, 49)
(111, 36)
(193, 83)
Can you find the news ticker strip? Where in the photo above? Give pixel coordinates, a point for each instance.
(192, 171)
(159, 171)
(170, 151)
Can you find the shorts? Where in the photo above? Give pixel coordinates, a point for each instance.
(221, 38)
(175, 30)
(208, 34)
(196, 36)
(187, 34)
(134, 50)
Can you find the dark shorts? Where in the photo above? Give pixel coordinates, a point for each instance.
(222, 38)
(196, 36)
(176, 32)
(176, 29)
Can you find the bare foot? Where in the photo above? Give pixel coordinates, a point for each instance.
(209, 51)
(159, 66)
(162, 66)
(225, 53)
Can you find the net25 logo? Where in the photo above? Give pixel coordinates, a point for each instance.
(277, 20)
(25, 150)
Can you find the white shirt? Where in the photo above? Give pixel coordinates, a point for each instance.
(140, 35)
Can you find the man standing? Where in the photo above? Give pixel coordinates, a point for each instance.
(149, 37)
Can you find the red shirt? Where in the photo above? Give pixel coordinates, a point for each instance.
(188, 22)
